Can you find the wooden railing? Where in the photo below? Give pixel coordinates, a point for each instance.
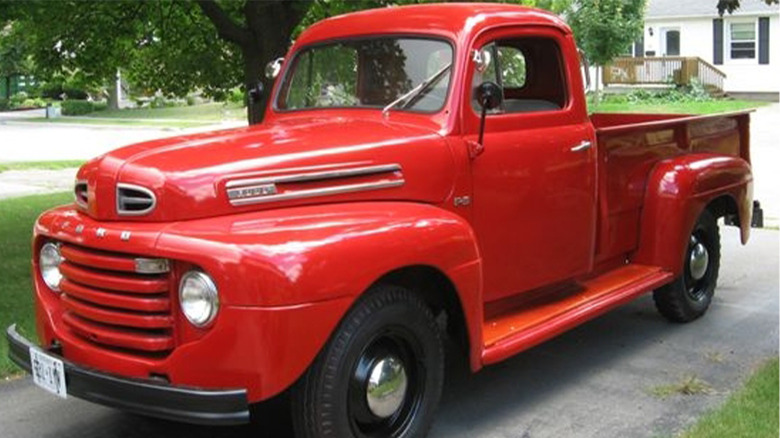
(676, 70)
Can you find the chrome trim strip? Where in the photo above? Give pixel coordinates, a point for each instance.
(140, 189)
(316, 176)
(75, 193)
(325, 191)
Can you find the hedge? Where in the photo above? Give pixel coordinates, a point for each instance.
(80, 107)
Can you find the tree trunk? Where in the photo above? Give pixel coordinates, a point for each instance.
(255, 108)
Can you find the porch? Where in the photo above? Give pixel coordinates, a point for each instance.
(667, 70)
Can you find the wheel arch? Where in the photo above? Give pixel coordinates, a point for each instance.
(441, 295)
(677, 191)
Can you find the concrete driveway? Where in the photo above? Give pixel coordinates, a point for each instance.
(594, 381)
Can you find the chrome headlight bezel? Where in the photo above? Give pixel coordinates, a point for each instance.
(198, 298)
(49, 260)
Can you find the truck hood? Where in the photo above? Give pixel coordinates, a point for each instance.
(290, 162)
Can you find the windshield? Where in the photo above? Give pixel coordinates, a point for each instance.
(369, 73)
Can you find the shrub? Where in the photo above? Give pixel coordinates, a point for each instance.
(79, 107)
(17, 100)
(5, 105)
(236, 95)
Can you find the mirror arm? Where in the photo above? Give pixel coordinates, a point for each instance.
(482, 124)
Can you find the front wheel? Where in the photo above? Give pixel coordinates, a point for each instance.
(380, 375)
(689, 295)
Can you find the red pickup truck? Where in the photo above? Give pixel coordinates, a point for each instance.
(422, 172)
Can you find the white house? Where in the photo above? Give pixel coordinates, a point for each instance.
(744, 45)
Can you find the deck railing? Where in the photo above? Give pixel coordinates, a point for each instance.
(676, 70)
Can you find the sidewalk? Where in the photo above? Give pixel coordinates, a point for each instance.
(15, 183)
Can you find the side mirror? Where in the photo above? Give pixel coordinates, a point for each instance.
(273, 68)
(256, 92)
(489, 96)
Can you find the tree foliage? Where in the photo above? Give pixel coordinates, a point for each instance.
(15, 58)
(732, 5)
(605, 28)
(176, 46)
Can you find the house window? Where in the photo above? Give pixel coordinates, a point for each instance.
(743, 40)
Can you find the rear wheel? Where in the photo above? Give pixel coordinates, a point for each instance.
(381, 374)
(689, 295)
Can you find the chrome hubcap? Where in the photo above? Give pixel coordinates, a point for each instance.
(386, 388)
(700, 259)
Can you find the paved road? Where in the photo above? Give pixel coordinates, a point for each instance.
(594, 381)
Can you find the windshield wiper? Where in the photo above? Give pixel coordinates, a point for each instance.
(414, 92)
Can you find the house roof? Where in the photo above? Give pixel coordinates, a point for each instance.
(703, 8)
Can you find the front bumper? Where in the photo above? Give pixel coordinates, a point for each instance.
(145, 397)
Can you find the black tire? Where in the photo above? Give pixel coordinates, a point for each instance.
(689, 296)
(331, 399)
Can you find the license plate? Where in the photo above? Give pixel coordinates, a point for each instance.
(48, 372)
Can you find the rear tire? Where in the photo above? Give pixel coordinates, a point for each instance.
(689, 296)
(380, 375)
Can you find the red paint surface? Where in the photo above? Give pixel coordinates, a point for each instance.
(579, 233)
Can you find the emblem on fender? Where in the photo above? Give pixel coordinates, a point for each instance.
(101, 232)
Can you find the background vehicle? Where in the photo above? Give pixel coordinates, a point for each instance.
(422, 172)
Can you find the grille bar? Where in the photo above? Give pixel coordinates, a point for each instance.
(122, 318)
(113, 281)
(112, 299)
(115, 337)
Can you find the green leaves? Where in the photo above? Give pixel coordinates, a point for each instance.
(605, 28)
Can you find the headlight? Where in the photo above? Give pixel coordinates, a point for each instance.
(198, 298)
(49, 263)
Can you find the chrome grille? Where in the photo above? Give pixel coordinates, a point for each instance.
(132, 200)
(80, 193)
(107, 303)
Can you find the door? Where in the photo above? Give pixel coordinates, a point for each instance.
(671, 41)
(534, 185)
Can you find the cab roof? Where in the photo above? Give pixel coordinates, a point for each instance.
(454, 21)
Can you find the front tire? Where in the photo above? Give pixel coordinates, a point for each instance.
(689, 296)
(380, 375)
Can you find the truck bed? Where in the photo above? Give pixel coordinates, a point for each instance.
(629, 147)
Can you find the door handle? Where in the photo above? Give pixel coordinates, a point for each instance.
(585, 145)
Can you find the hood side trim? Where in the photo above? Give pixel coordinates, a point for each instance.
(315, 176)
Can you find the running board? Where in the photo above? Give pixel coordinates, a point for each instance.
(521, 328)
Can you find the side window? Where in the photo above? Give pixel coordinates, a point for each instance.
(530, 72)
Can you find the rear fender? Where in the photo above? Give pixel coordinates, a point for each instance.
(678, 190)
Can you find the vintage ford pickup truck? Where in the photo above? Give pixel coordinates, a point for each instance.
(421, 172)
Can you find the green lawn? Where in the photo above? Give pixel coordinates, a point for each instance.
(706, 107)
(751, 412)
(84, 120)
(42, 165)
(173, 117)
(17, 216)
(209, 112)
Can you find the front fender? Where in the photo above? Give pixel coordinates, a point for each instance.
(306, 266)
(677, 191)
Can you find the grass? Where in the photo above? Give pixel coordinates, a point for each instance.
(173, 117)
(40, 165)
(688, 385)
(84, 120)
(208, 112)
(690, 107)
(750, 412)
(17, 216)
